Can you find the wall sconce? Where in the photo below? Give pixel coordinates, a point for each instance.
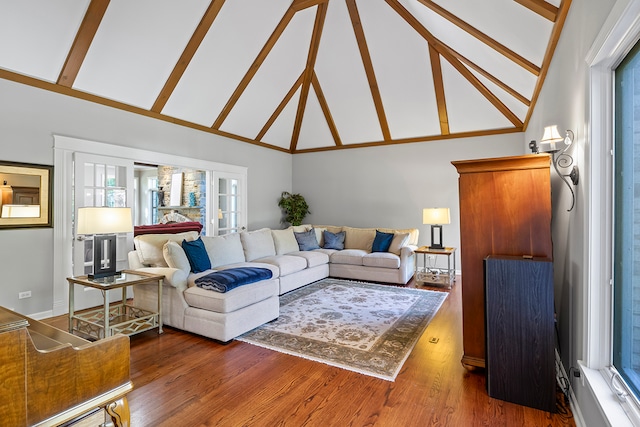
(552, 142)
(104, 223)
(436, 217)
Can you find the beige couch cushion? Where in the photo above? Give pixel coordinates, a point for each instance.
(284, 241)
(348, 256)
(381, 259)
(414, 233)
(314, 258)
(287, 264)
(359, 238)
(150, 246)
(233, 300)
(257, 244)
(224, 250)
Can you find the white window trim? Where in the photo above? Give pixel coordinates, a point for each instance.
(618, 35)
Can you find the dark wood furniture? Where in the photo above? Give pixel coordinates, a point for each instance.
(519, 329)
(505, 209)
(50, 377)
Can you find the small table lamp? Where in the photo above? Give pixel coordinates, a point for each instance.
(104, 223)
(436, 217)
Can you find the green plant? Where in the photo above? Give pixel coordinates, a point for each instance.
(295, 207)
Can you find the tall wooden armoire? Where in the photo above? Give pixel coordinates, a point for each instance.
(505, 209)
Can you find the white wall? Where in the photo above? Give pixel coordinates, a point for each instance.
(564, 101)
(389, 186)
(28, 119)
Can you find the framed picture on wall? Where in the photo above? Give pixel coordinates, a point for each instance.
(26, 195)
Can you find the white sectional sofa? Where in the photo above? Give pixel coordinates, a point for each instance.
(225, 315)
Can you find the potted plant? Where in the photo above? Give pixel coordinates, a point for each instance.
(295, 207)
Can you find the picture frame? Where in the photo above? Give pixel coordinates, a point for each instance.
(26, 195)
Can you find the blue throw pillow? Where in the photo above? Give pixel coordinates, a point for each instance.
(197, 255)
(307, 240)
(334, 240)
(382, 242)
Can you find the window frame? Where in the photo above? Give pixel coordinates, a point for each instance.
(617, 37)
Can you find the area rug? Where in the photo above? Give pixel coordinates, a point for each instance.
(362, 327)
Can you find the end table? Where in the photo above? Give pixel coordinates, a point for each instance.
(433, 275)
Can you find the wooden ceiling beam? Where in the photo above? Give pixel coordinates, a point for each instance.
(541, 7)
(299, 5)
(84, 37)
(494, 44)
(274, 116)
(368, 68)
(325, 109)
(318, 26)
(436, 70)
(187, 55)
(255, 66)
(457, 64)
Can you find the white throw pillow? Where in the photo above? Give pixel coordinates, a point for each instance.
(149, 247)
(257, 244)
(175, 256)
(285, 241)
(399, 241)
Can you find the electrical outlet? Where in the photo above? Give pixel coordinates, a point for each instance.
(25, 294)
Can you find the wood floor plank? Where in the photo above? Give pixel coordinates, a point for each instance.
(187, 380)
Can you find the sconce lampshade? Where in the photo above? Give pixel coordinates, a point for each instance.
(552, 141)
(436, 216)
(103, 220)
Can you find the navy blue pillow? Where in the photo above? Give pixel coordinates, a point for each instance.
(197, 255)
(307, 240)
(333, 240)
(382, 242)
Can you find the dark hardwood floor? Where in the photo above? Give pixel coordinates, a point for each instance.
(181, 379)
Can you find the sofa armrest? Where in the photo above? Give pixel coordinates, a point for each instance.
(407, 252)
(172, 276)
(134, 260)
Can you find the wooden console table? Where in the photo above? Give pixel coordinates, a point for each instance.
(50, 377)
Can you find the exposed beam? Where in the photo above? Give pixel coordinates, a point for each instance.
(497, 46)
(541, 7)
(325, 109)
(368, 68)
(188, 53)
(280, 108)
(318, 26)
(255, 66)
(299, 5)
(457, 64)
(548, 55)
(438, 84)
(82, 42)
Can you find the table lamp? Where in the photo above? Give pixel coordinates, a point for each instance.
(436, 217)
(104, 223)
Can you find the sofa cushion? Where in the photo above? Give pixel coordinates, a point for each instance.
(257, 244)
(381, 242)
(197, 255)
(149, 247)
(414, 233)
(231, 278)
(284, 241)
(348, 256)
(175, 257)
(359, 238)
(314, 258)
(233, 300)
(333, 240)
(381, 259)
(287, 264)
(224, 250)
(307, 240)
(399, 241)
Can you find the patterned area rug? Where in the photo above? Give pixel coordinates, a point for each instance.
(362, 327)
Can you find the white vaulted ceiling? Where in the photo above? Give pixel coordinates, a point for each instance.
(296, 76)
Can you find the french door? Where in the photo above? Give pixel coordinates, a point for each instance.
(230, 189)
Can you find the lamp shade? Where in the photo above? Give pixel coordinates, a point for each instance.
(20, 211)
(551, 134)
(102, 220)
(436, 216)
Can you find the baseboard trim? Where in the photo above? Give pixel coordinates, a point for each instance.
(561, 374)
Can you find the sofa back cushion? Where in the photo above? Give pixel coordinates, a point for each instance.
(257, 244)
(413, 233)
(149, 247)
(284, 241)
(224, 250)
(359, 238)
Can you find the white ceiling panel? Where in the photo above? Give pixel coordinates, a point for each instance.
(279, 134)
(513, 104)
(468, 108)
(507, 22)
(315, 131)
(275, 78)
(400, 58)
(223, 58)
(136, 47)
(37, 35)
(343, 79)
